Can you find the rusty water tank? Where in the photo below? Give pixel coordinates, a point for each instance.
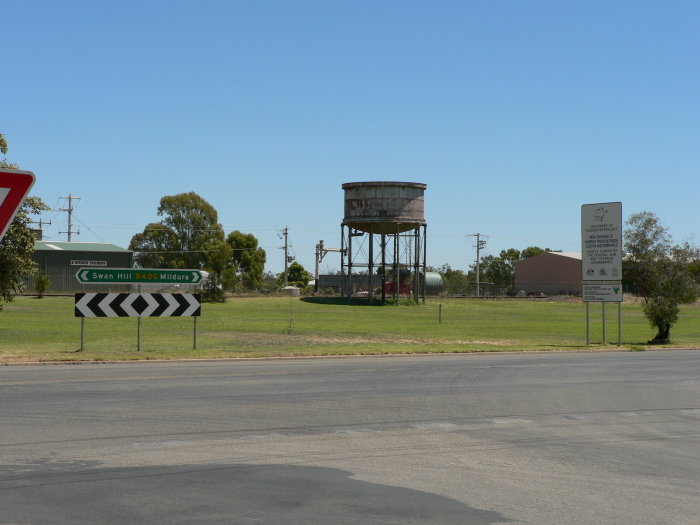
(383, 206)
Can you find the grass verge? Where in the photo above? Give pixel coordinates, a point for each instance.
(45, 329)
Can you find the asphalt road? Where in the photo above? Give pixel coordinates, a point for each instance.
(469, 439)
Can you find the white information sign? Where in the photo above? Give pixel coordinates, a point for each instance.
(601, 241)
(602, 292)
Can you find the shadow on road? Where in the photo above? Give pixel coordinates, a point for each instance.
(60, 493)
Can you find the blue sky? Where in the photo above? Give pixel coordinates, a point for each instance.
(514, 113)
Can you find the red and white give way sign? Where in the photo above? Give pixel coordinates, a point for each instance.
(14, 187)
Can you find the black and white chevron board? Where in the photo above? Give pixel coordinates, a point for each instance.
(137, 305)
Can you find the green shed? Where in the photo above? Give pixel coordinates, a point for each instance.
(60, 261)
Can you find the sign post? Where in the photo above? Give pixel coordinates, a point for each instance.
(601, 259)
(137, 304)
(14, 188)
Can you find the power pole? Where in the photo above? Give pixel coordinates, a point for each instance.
(40, 231)
(319, 257)
(479, 246)
(287, 258)
(70, 215)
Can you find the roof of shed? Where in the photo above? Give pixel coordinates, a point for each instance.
(78, 246)
(571, 255)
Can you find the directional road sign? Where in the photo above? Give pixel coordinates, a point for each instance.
(14, 187)
(137, 305)
(138, 276)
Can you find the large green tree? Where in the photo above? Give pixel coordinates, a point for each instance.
(248, 259)
(658, 270)
(17, 246)
(179, 240)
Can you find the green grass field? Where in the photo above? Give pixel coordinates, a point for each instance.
(45, 329)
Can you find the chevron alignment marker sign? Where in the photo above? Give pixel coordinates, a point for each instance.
(137, 305)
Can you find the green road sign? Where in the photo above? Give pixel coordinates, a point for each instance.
(138, 276)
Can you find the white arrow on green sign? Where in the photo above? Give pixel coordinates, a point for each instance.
(138, 276)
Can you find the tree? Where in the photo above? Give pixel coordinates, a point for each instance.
(499, 270)
(455, 282)
(17, 246)
(179, 240)
(531, 251)
(16, 250)
(694, 269)
(248, 259)
(42, 284)
(218, 264)
(154, 246)
(658, 270)
(296, 276)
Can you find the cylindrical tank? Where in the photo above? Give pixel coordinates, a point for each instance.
(433, 283)
(383, 206)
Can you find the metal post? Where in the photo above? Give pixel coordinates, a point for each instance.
(343, 251)
(383, 241)
(397, 281)
(349, 263)
(416, 264)
(619, 323)
(319, 250)
(588, 323)
(195, 332)
(138, 339)
(370, 268)
(425, 258)
(82, 334)
(604, 337)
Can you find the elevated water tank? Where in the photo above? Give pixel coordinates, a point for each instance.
(383, 206)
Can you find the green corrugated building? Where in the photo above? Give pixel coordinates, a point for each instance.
(61, 260)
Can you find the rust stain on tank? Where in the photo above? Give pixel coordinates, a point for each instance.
(384, 206)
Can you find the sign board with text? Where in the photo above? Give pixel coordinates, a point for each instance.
(601, 242)
(85, 262)
(138, 276)
(602, 291)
